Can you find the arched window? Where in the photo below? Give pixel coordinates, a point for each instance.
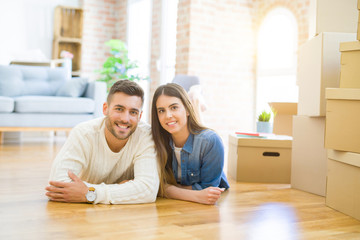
(276, 59)
(168, 40)
(138, 35)
(139, 43)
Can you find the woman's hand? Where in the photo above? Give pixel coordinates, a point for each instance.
(209, 195)
(123, 181)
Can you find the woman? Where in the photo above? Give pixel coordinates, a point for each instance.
(191, 156)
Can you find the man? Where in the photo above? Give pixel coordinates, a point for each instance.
(113, 156)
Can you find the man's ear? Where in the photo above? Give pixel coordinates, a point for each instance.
(140, 115)
(105, 108)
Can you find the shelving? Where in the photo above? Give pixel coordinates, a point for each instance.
(68, 25)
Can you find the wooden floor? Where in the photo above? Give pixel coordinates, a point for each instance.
(246, 211)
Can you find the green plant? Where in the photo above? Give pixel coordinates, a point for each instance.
(265, 116)
(118, 65)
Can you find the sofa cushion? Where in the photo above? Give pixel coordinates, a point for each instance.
(74, 87)
(39, 80)
(6, 104)
(11, 81)
(52, 104)
(17, 80)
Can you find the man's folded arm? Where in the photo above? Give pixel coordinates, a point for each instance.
(142, 189)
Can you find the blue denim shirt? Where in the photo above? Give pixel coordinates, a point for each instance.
(202, 161)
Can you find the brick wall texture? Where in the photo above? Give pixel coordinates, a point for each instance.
(216, 41)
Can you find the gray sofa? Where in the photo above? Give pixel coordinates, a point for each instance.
(43, 98)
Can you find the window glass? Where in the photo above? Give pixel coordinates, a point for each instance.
(139, 30)
(276, 59)
(168, 40)
(139, 44)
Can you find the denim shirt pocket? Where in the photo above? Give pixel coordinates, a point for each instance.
(193, 176)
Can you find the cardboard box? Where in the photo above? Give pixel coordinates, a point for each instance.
(350, 61)
(332, 16)
(342, 119)
(343, 185)
(260, 160)
(283, 118)
(309, 157)
(358, 26)
(319, 68)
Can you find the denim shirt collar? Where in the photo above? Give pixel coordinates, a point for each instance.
(188, 147)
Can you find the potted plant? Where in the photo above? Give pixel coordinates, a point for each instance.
(118, 65)
(263, 125)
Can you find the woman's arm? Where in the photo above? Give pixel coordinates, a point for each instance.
(208, 195)
(212, 163)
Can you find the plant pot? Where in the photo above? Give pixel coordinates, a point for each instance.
(264, 127)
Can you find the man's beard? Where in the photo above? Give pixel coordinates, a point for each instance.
(109, 126)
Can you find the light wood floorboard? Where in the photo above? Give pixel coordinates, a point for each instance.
(246, 211)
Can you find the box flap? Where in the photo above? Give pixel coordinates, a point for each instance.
(343, 93)
(286, 108)
(344, 157)
(349, 46)
(275, 141)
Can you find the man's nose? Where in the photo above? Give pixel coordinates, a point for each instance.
(125, 116)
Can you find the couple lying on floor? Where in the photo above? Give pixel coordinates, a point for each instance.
(119, 160)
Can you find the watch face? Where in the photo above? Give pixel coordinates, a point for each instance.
(91, 196)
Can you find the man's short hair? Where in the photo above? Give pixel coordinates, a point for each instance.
(128, 87)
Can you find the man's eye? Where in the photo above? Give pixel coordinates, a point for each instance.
(134, 113)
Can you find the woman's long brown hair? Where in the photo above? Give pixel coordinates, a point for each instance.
(162, 137)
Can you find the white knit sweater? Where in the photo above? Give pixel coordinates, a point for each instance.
(87, 154)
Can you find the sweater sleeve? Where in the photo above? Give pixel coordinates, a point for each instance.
(71, 157)
(143, 188)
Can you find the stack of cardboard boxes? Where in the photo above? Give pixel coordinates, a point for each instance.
(342, 134)
(332, 22)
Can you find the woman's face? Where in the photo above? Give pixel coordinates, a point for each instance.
(172, 114)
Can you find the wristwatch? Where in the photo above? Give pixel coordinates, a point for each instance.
(91, 195)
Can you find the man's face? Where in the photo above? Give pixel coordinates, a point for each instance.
(123, 113)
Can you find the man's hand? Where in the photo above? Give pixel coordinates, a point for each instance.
(209, 195)
(67, 192)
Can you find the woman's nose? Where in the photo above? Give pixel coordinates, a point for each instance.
(168, 114)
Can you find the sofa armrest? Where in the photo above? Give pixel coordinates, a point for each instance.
(97, 91)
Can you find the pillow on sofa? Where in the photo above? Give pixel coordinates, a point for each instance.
(39, 80)
(75, 87)
(11, 82)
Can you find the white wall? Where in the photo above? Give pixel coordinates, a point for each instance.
(26, 28)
